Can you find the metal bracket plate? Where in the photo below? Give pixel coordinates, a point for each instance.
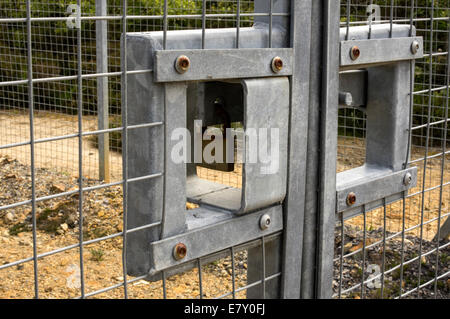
(378, 51)
(222, 64)
(210, 239)
(371, 184)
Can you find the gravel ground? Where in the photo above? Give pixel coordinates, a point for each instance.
(408, 277)
(58, 225)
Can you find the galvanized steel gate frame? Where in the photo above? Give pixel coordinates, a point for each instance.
(314, 57)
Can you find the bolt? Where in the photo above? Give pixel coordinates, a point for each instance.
(182, 64)
(277, 64)
(345, 99)
(351, 199)
(407, 179)
(415, 46)
(179, 251)
(264, 222)
(355, 52)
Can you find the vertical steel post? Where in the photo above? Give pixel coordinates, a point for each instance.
(328, 147)
(298, 129)
(312, 153)
(319, 218)
(102, 90)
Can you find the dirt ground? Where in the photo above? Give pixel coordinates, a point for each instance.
(58, 225)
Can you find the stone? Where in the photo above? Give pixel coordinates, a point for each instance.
(24, 242)
(58, 188)
(423, 260)
(64, 227)
(9, 217)
(347, 247)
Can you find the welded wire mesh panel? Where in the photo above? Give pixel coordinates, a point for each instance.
(63, 136)
(401, 249)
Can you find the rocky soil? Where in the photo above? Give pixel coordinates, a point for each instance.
(58, 226)
(406, 277)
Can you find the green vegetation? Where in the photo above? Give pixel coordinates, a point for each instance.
(97, 254)
(55, 47)
(18, 228)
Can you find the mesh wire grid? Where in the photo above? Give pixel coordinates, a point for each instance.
(397, 251)
(66, 232)
(63, 219)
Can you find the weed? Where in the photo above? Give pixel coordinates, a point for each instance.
(97, 254)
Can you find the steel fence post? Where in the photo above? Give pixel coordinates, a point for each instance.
(295, 201)
(102, 90)
(328, 147)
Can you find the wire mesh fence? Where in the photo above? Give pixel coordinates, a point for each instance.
(63, 137)
(62, 102)
(398, 250)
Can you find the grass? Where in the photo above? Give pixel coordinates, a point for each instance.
(97, 254)
(17, 228)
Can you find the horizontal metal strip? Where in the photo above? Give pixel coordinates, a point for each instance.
(370, 187)
(145, 17)
(222, 64)
(253, 284)
(396, 21)
(72, 77)
(397, 234)
(89, 133)
(204, 260)
(73, 246)
(206, 240)
(84, 189)
(358, 53)
(424, 285)
(429, 157)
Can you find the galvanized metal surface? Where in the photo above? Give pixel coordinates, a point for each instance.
(222, 64)
(296, 261)
(379, 51)
(370, 184)
(212, 238)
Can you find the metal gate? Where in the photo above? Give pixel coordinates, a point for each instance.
(109, 106)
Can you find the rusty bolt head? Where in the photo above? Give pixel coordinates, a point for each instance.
(351, 199)
(182, 64)
(277, 64)
(355, 53)
(415, 46)
(179, 251)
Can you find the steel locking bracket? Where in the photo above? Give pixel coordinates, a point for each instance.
(376, 77)
(185, 80)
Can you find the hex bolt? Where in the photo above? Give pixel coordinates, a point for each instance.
(277, 64)
(264, 222)
(355, 52)
(182, 64)
(407, 179)
(351, 199)
(179, 251)
(415, 46)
